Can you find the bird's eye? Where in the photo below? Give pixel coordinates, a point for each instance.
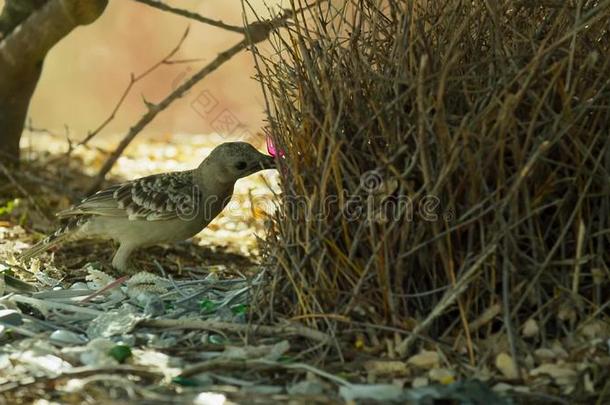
(241, 165)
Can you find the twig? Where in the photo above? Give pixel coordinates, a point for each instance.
(192, 15)
(449, 298)
(286, 14)
(577, 263)
(269, 364)
(154, 109)
(121, 368)
(170, 278)
(266, 330)
(102, 290)
(47, 305)
(508, 324)
(132, 81)
(310, 369)
(83, 372)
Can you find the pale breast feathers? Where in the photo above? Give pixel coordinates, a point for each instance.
(153, 198)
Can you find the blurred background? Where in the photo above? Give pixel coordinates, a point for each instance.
(86, 73)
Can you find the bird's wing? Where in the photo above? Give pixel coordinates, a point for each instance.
(158, 197)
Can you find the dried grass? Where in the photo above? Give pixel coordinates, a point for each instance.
(446, 167)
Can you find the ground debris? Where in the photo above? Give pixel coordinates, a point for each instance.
(183, 330)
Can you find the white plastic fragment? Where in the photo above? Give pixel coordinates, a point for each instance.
(209, 398)
(64, 337)
(378, 392)
(117, 322)
(10, 317)
(96, 353)
(38, 360)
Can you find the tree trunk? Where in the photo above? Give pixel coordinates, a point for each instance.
(28, 30)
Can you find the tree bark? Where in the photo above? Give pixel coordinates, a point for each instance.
(28, 30)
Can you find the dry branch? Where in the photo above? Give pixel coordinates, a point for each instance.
(264, 330)
(154, 109)
(133, 79)
(497, 112)
(192, 15)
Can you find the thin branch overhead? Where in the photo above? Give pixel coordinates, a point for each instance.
(132, 81)
(154, 109)
(192, 15)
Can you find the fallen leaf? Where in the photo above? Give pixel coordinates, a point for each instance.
(529, 361)
(506, 365)
(544, 354)
(420, 382)
(425, 359)
(595, 329)
(588, 384)
(567, 313)
(442, 375)
(559, 351)
(483, 374)
(530, 328)
(563, 374)
(503, 387)
(386, 368)
(487, 316)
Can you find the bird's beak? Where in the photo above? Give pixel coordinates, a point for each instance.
(267, 162)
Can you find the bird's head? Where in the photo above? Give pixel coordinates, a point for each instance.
(234, 160)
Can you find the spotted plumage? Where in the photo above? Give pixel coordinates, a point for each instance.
(164, 207)
(152, 198)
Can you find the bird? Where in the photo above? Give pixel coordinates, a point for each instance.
(160, 208)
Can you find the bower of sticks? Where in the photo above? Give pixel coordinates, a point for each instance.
(438, 228)
(445, 184)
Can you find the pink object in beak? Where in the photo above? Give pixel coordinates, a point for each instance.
(272, 150)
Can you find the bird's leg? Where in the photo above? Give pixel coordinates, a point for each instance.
(120, 261)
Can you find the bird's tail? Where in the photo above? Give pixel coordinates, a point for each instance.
(62, 234)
